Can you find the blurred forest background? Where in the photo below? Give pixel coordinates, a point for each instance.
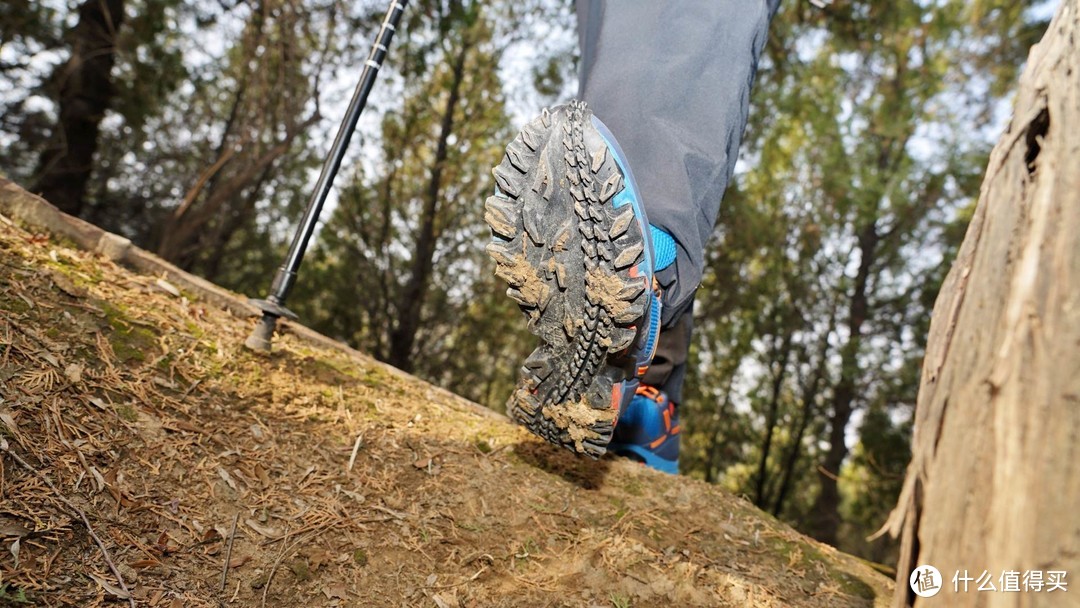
(196, 128)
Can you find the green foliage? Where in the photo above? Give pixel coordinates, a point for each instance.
(150, 62)
(130, 343)
(13, 596)
(30, 32)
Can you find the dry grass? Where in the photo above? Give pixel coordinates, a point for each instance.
(349, 485)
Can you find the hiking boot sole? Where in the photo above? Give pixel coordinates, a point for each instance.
(571, 260)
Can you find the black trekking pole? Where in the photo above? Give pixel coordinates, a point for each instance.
(273, 307)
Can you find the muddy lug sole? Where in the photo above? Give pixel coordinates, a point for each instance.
(570, 260)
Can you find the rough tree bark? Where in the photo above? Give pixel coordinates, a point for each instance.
(85, 89)
(994, 482)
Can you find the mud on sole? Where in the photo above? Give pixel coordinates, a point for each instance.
(569, 258)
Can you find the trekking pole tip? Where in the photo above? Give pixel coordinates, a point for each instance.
(259, 340)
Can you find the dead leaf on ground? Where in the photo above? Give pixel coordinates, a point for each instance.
(446, 599)
(10, 529)
(109, 587)
(429, 465)
(74, 373)
(267, 531)
(264, 478)
(228, 478)
(14, 549)
(66, 285)
(9, 422)
(339, 591)
(167, 287)
(99, 479)
(162, 543)
(318, 557)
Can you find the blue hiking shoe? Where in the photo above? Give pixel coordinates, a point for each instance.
(648, 431)
(570, 238)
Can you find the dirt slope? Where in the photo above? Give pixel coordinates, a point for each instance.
(351, 484)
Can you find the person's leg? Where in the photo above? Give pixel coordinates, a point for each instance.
(668, 369)
(573, 236)
(672, 82)
(648, 430)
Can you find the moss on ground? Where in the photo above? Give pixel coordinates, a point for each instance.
(127, 413)
(130, 342)
(13, 304)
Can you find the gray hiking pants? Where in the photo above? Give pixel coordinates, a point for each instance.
(671, 79)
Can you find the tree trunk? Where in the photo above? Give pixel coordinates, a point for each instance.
(186, 231)
(825, 514)
(994, 481)
(771, 416)
(718, 443)
(216, 246)
(85, 90)
(810, 391)
(403, 337)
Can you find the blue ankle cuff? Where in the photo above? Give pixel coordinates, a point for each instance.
(663, 248)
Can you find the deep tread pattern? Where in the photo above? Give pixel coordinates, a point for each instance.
(555, 183)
